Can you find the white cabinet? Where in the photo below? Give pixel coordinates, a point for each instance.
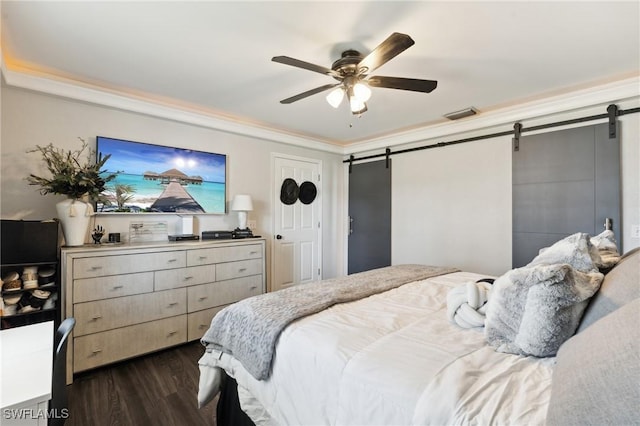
(129, 300)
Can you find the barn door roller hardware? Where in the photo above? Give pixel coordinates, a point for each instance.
(517, 130)
(613, 113)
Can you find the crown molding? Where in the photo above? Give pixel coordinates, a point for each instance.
(99, 96)
(617, 91)
(605, 94)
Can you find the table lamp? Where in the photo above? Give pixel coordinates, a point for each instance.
(242, 204)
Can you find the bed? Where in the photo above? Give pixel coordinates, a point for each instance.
(398, 354)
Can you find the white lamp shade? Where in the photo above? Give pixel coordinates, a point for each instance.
(242, 202)
(335, 97)
(362, 92)
(357, 106)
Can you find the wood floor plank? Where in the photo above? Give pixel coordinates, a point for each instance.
(159, 389)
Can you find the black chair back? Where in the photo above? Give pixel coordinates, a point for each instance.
(58, 405)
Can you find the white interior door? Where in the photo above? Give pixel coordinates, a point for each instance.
(297, 228)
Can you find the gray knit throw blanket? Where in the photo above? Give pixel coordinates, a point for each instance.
(249, 329)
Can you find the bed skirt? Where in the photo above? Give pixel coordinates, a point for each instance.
(228, 411)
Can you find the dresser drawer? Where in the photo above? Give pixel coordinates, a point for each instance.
(101, 315)
(182, 277)
(198, 322)
(102, 348)
(224, 254)
(89, 267)
(222, 292)
(243, 268)
(88, 289)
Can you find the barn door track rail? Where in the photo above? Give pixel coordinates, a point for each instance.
(613, 112)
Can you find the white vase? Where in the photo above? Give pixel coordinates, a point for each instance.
(74, 216)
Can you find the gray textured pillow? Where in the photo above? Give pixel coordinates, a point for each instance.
(533, 310)
(620, 286)
(575, 250)
(596, 380)
(607, 247)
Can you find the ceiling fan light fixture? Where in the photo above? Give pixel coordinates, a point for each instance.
(335, 97)
(352, 72)
(361, 91)
(357, 106)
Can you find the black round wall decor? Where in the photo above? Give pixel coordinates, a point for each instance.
(308, 192)
(289, 191)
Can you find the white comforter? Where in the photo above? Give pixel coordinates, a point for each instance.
(389, 359)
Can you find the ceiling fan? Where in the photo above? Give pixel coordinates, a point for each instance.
(352, 72)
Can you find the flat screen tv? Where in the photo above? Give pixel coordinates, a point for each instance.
(161, 179)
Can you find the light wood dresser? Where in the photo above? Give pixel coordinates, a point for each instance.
(129, 300)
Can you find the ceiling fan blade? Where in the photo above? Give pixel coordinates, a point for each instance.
(395, 44)
(412, 84)
(308, 93)
(305, 65)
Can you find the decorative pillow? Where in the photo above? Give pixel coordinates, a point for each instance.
(533, 310)
(597, 375)
(576, 250)
(607, 248)
(620, 286)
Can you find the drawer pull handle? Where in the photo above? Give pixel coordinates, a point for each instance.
(201, 298)
(253, 252)
(96, 351)
(203, 326)
(173, 304)
(188, 278)
(96, 268)
(242, 269)
(172, 260)
(117, 287)
(253, 287)
(171, 333)
(96, 318)
(202, 257)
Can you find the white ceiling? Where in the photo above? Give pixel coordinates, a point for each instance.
(215, 57)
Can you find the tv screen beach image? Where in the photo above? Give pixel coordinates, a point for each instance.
(161, 179)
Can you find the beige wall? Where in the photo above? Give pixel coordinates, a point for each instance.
(452, 205)
(30, 118)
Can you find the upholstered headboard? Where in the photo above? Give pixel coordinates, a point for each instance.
(597, 376)
(620, 286)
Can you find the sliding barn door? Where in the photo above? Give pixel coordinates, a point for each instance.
(370, 216)
(564, 182)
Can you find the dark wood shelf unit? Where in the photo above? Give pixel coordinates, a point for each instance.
(29, 244)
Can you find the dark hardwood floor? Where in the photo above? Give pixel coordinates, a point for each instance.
(157, 389)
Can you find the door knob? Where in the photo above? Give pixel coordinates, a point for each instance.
(278, 237)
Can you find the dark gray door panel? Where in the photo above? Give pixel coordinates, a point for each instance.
(370, 215)
(563, 182)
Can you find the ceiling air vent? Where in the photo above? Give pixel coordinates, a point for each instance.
(457, 115)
